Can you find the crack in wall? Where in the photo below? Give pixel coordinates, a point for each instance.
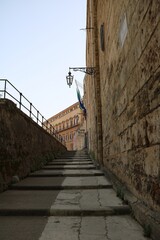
(106, 229)
(98, 198)
(79, 230)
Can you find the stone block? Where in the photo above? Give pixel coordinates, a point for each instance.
(133, 85)
(122, 102)
(142, 103)
(125, 140)
(150, 21)
(154, 90)
(115, 147)
(131, 114)
(141, 10)
(153, 127)
(130, 11)
(139, 134)
(124, 158)
(152, 161)
(149, 61)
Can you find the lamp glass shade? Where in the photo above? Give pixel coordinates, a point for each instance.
(69, 79)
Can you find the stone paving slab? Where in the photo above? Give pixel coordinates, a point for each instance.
(68, 173)
(92, 228)
(21, 228)
(63, 183)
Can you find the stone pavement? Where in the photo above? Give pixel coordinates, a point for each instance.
(69, 199)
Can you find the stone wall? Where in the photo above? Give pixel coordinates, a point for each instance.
(92, 90)
(129, 69)
(24, 145)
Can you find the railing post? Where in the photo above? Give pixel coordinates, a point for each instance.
(20, 100)
(54, 132)
(42, 121)
(37, 116)
(30, 111)
(48, 127)
(5, 88)
(51, 130)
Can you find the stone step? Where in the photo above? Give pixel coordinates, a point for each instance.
(61, 183)
(16, 187)
(75, 155)
(72, 157)
(71, 160)
(59, 167)
(69, 173)
(94, 202)
(70, 163)
(106, 211)
(102, 202)
(25, 203)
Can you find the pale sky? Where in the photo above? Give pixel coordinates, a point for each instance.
(39, 41)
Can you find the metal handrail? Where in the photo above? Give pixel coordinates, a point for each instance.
(38, 117)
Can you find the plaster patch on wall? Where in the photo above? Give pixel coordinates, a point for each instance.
(123, 30)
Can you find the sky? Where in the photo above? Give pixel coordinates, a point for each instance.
(39, 41)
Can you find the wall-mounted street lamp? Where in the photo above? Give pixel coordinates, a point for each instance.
(87, 70)
(69, 79)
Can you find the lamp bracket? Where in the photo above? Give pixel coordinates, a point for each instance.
(87, 70)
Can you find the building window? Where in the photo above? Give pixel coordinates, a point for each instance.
(77, 119)
(71, 122)
(67, 124)
(67, 138)
(74, 121)
(70, 136)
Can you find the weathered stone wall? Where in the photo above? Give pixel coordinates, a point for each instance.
(24, 146)
(129, 68)
(92, 95)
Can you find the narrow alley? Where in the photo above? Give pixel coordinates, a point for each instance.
(90, 170)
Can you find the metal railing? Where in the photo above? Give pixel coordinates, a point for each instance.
(8, 91)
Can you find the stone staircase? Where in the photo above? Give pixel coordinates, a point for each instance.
(69, 199)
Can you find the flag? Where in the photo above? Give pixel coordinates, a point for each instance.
(81, 104)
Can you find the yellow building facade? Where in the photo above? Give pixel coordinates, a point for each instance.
(70, 124)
